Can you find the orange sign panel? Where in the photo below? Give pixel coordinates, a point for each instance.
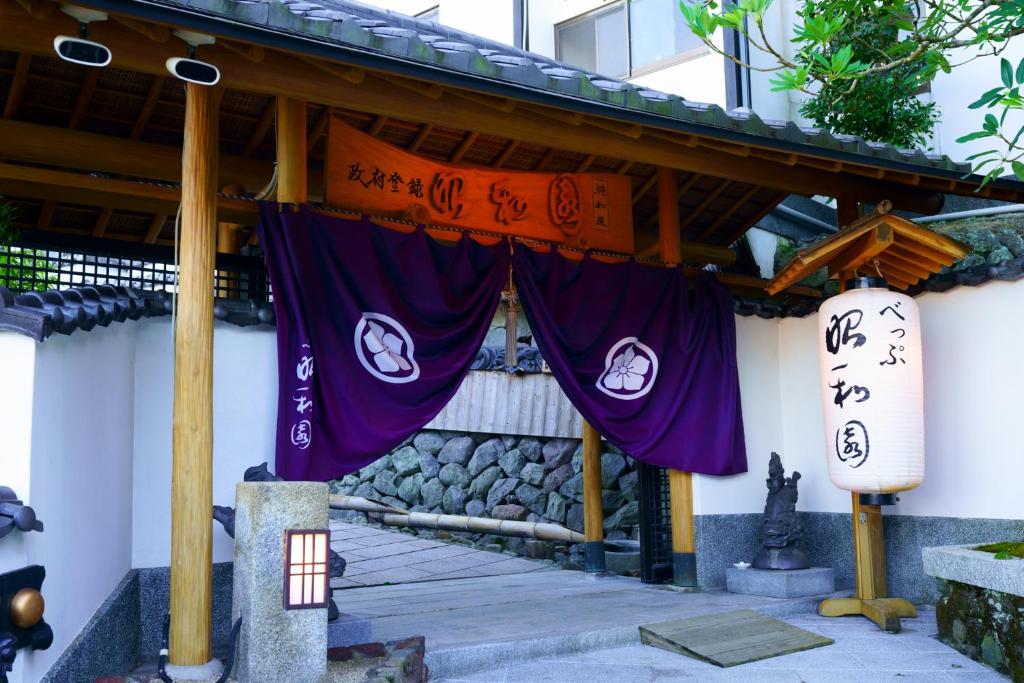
(586, 210)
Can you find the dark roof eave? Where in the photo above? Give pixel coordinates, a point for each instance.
(206, 21)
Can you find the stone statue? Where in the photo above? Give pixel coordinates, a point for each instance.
(226, 517)
(780, 527)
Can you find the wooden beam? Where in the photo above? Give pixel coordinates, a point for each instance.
(503, 104)
(33, 143)
(291, 151)
(542, 164)
(102, 220)
(85, 92)
(585, 164)
(668, 215)
(645, 188)
(752, 221)
(289, 76)
(192, 425)
(155, 227)
(421, 137)
(45, 215)
(125, 195)
(156, 86)
(727, 214)
(463, 147)
(684, 562)
(319, 128)
(155, 32)
(377, 126)
(38, 9)
(593, 511)
(862, 250)
(704, 203)
(261, 129)
(506, 154)
(17, 87)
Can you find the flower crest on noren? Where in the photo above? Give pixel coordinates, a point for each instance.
(631, 368)
(385, 349)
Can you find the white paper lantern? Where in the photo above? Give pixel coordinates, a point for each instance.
(872, 389)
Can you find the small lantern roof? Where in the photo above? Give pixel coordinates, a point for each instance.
(881, 243)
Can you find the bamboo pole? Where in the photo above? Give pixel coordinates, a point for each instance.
(483, 525)
(192, 428)
(291, 151)
(593, 511)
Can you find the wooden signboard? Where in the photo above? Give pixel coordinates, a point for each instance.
(586, 210)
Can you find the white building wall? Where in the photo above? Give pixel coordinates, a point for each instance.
(70, 402)
(244, 425)
(973, 407)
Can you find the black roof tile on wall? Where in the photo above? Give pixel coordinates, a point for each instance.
(41, 314)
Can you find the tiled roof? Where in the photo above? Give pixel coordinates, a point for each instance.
(354, 26)
(41, 314)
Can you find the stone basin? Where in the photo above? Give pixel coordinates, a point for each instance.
(622, 556)
(981, 608)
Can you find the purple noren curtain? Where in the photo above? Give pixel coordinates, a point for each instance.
(646, 357)
(376, 330)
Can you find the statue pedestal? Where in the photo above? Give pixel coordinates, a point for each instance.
(781, 583)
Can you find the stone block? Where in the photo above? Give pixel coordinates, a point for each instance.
(781, 583)
(485, 455)
(532, 473)
(558, 452)
(275, 644)
(348, 630)
(406, 461)
(963, 564)
(512, 462)
(457, 450)
(483, 483)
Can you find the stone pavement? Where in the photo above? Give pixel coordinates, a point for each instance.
(381, 556)
(861, 653)
(565, 626)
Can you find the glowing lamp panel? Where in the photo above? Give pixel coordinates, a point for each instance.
(306, 569)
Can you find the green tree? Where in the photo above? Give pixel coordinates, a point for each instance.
(862, 61)
(15, 261)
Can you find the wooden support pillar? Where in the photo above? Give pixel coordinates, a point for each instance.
(291, 151)
(668, 214)
(192, 428)
(684, 558)
(593, 508)
(684, 545)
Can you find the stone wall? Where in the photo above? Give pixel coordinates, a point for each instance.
(986, 625)
(510, 477)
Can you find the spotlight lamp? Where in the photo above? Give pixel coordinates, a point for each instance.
(79, 49)
(189, 68)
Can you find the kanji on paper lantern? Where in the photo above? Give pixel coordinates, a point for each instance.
(872, 388)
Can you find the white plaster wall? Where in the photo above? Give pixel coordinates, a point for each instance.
(973, 406)
(79, 472)
(244, 417)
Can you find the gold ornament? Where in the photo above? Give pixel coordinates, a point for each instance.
(27, 608)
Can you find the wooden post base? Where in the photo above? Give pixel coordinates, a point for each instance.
(886, 612)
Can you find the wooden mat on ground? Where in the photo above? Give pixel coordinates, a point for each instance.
(730, 638)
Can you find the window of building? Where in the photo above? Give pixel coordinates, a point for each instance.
(627, 38)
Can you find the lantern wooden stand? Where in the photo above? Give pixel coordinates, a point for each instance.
(903, 253)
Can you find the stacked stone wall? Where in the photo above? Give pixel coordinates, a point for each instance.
(509, 477)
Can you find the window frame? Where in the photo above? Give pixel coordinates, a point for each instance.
(623, 5)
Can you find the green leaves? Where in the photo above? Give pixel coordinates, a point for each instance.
(1018, 169)
(1007, 72)
(790, 79)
